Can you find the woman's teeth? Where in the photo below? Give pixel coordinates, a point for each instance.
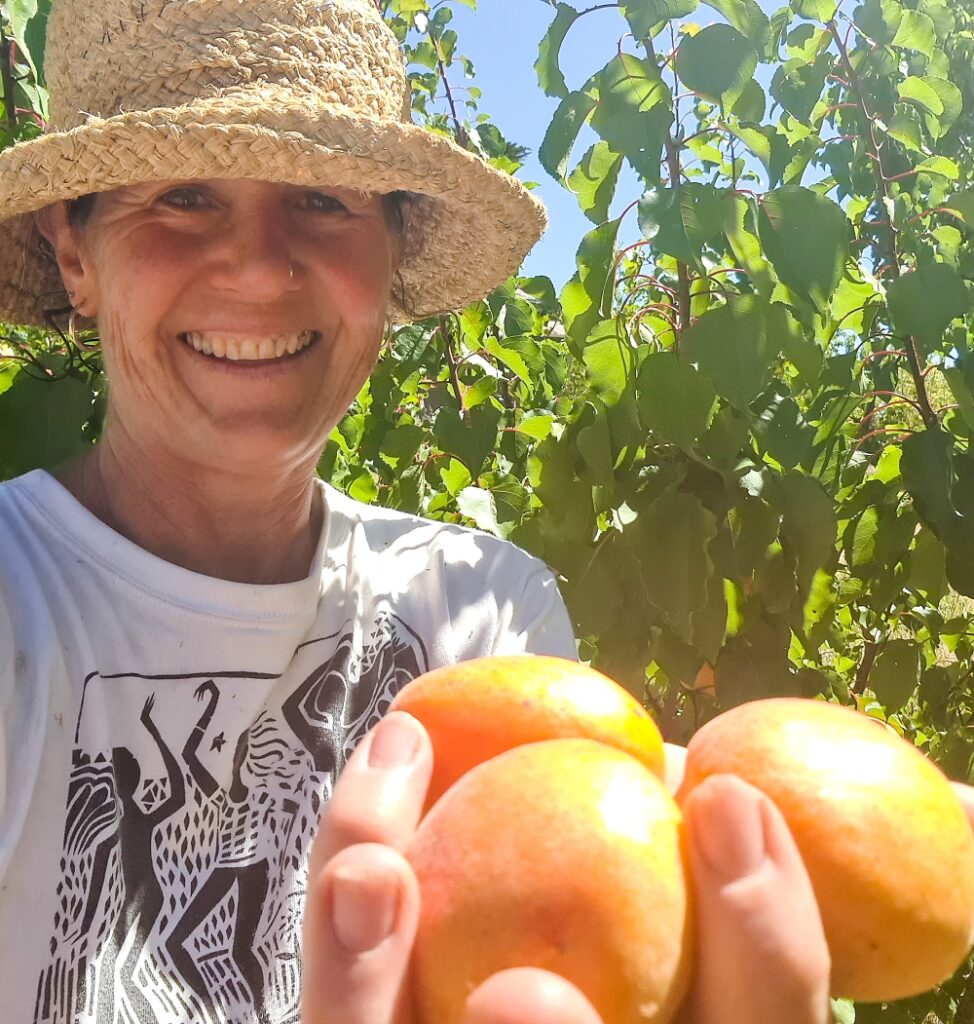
(233, 346)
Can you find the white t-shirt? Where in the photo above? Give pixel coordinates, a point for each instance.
(167, 741)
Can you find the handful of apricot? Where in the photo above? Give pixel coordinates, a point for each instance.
(552, 842)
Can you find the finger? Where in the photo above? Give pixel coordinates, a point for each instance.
(762, 953)
(528, 995)
(966, 795)
(676, 762)
(359, 925)
(379, 795)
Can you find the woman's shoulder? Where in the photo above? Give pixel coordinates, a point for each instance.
(390, 531)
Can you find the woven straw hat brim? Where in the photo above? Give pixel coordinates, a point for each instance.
(469, 229)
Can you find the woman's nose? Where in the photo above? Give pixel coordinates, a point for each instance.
(256, 257)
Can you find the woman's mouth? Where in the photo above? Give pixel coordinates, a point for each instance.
(241, 348)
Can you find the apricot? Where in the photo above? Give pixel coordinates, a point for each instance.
(477, 709)
(884, 837)
(565, 854)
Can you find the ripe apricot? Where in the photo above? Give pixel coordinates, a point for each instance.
(477, 709)
(884, 838)
(567, 855)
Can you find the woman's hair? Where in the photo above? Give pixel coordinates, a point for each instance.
(394, 205)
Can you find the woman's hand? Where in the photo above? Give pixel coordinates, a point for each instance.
(363, 901)
(761, 951)
(966, 794)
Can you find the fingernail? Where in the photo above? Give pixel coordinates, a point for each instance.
(728, 826)
(394, 742)
(363, 907)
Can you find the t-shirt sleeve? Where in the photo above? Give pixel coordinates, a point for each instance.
(536, 621)
(6, 693)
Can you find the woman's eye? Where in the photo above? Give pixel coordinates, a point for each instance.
(184, 198)
(321, 202)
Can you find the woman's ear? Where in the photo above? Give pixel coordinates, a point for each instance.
(52, 222)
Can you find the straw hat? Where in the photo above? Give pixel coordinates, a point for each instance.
(299, 91)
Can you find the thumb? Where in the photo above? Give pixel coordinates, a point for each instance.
(528, 995)
(762, 953)
(360, 922)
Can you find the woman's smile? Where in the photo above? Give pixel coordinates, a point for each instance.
(250, 348)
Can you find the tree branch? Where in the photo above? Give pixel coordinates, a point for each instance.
(682, 270)
(7, 82)
(886, 202)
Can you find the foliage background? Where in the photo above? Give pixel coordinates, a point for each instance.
(744, 441)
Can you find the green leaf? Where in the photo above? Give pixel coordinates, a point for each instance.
(940, 166)
(916, 32)
(960, 380)
(718, 62)
(806, 237)
(363, 487)
(709, 623)
(675, 400)
(751, 104)
(550, 78)
(609, 361)
(861, 545)
(586, 298)
(507, 354)
(747, 17)
(809, 524)
(644, 15)
(961, 205)
(594, 181)
(797, 85)
(895, 674)
(905, 126)
(815, 10)
(477, 504)
(951, 98)
(34, 43)
(927, 475)
(455, 476)
(41, 422)
(879, 19)
(767, 144)
(923, 302)
(680, 221)
(928, 566)
(754, 665)
(735, 346)
(780, 428)
(470, 439)
(20, 13)
(917, 90)
(634, 111)
(556, 147)
(538, 427)
(674, 533)
(595, 444)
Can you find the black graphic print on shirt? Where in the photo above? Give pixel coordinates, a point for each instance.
(192, 804)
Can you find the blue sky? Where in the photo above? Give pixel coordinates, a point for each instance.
(501, 38)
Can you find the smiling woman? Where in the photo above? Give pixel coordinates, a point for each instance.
(200, 641)
(204, 630)
(238, 318)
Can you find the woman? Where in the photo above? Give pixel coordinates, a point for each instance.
(196, 633)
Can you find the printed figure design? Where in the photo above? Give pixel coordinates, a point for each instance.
(186, 840)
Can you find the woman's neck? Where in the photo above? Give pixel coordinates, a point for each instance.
(212, 521)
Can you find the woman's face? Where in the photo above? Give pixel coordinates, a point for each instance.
(239, 319)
